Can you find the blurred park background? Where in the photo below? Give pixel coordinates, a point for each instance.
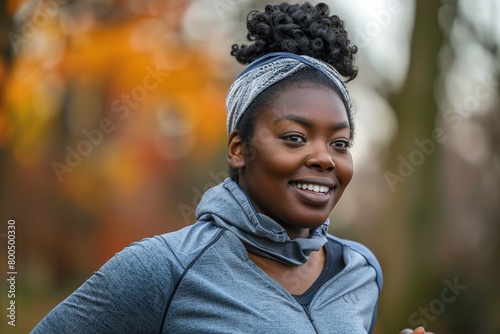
(112, 125)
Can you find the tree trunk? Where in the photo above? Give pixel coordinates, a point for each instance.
(412, 176)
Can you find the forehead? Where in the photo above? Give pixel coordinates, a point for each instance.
(313, 102)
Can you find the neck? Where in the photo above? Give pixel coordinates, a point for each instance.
(228, 206)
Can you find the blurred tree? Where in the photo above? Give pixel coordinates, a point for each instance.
(107, 114)
(442, 204)
(469, 232)
(406, 227)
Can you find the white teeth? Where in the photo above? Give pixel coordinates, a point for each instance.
(313, 187)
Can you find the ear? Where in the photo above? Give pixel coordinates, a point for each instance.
(236, 151)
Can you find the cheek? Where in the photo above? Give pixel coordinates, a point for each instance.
(345, 169)
(267, 154)
(275, 162)
(262, 137)
(257, 150)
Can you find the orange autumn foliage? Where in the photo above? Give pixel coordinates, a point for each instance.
(129, 101)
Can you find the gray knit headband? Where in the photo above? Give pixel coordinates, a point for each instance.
(268, 70)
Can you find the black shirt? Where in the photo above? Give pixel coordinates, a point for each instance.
(333, 265)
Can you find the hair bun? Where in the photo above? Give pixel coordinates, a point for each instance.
(302, 29)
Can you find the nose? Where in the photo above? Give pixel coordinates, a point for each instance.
(321, 158)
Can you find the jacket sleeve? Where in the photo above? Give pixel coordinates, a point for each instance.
(128, 294)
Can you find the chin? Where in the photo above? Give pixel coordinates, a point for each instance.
(311, 222)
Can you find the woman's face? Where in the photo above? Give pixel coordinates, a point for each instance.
(298, 163)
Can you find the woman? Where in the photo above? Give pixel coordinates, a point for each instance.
(259, 259)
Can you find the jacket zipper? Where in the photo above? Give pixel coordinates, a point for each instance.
(313, 323)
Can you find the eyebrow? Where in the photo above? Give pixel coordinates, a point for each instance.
(308, 124)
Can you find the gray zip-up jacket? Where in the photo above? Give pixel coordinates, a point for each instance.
(200, 280)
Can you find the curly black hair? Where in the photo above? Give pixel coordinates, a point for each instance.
(303, 29)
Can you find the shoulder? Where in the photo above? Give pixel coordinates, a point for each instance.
(173, 250)
(365, 252)
(131, 292)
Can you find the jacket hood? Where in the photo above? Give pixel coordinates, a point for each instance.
(228, 206)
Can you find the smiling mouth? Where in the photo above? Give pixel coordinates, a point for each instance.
(316, 188)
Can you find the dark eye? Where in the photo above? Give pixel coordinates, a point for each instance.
(340, 144)
(295, 139)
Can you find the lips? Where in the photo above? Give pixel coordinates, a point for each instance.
(315, 192)
(313, 187)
